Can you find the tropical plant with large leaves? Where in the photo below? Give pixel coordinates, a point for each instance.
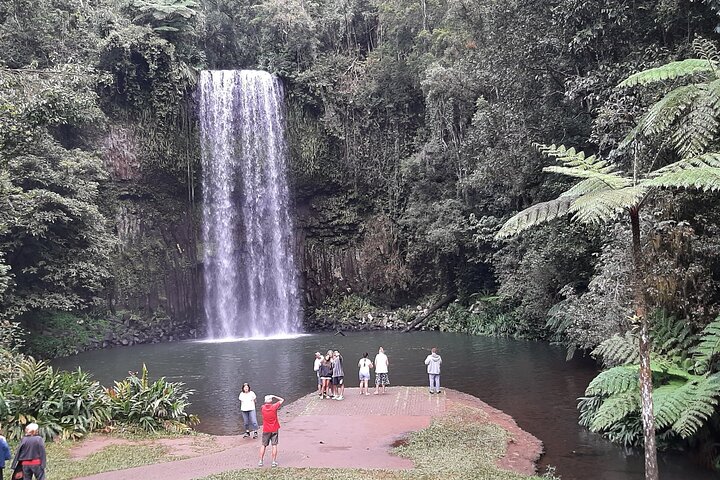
(689, 116)
(684, 373)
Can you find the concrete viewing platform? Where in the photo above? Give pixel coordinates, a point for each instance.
(356, 432)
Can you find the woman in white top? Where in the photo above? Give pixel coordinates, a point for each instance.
(365, 365)
(247, 406)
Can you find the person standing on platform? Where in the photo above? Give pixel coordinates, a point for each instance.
(382, 365)
(316, 367)
(338, 376)
(433, 362)
(30, 455)
(326, 369)
(247, 407)
(271, 427)
(365, 365)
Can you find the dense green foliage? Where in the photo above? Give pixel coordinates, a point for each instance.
(412, 127)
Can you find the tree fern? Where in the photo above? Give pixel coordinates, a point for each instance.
(671, 337)
(699, 127)
(535, 215)
(604, 205)
(588, 200)
(700, 402)
(706, 50)
(668, 403)
(670, 71)
(613, 381)
(618, 350)
(663, 113)
(614, 409)
(708, 348)
(587, 407)
(701, 172)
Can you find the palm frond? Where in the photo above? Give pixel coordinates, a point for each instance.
(615, 380)
(603, 205)
(614, 409)
(537, 214)
(619, 350)
(670, 71)
(700, 404)
(708, 348)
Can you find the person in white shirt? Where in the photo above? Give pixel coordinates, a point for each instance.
(316, 367)
(381, 371)
(365, 365)
(247, 407)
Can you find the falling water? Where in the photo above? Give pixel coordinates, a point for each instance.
(250, 277)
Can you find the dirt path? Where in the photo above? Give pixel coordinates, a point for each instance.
(363, 428)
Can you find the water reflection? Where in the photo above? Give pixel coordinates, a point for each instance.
(530, 381)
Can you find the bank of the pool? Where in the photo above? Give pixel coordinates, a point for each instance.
(405, 432)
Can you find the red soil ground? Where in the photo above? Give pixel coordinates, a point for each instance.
(362, 427)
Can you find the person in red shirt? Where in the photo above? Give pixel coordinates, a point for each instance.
(271, 426)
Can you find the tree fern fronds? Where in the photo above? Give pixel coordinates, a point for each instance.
(614, 409)
(706, 179)
(701, 402)
(615, 380)
(611, 180)
(708, 348)
(587, 407)
(537, 214)
(569, 157)
(619, 350)
(670, 71)
(699, 127)
(705, 49)
(671, 337)
(604, 205)
(663, 113)
(707, 160)
(589, 185)
(669, 402)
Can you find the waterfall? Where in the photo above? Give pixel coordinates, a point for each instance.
(250, 276)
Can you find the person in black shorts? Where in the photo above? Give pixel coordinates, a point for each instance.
(338, 376)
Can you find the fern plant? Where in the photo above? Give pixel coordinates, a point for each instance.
(690, 116)
(686, 393)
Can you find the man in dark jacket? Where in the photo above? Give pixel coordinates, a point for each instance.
(31, 454)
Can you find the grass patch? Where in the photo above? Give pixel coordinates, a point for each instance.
(454, 446)
(114, 457)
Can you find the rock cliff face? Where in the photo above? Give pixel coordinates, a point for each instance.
(157, 266)
(342, 246)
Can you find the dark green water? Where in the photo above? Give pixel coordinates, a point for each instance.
(530, 381)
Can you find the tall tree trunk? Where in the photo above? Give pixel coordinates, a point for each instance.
(646, 386)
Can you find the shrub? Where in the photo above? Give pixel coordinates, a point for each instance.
(151, 406)
(64, 404)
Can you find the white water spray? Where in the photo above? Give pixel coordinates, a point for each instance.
(250, 275)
